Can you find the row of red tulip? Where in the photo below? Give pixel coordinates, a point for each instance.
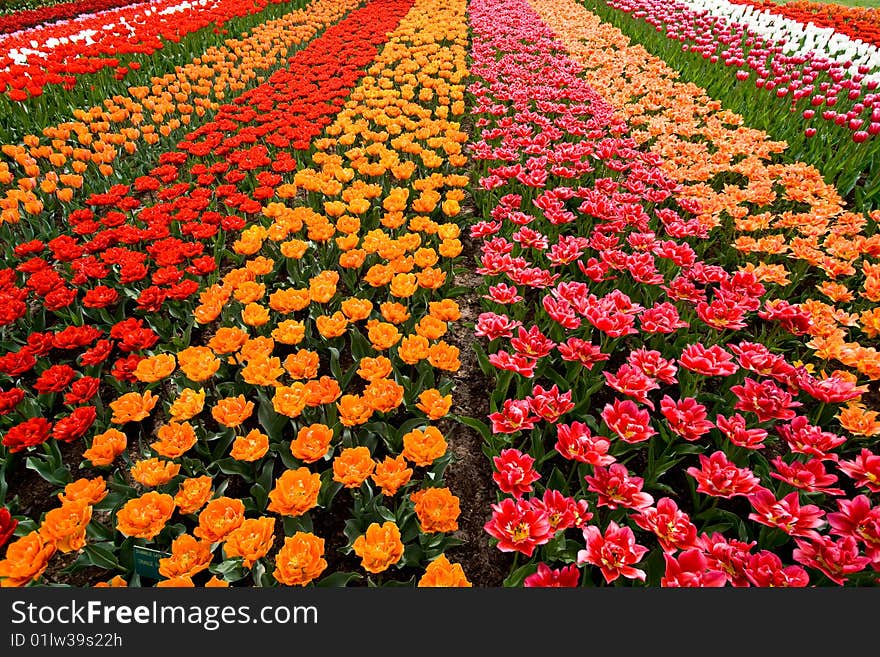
(59, 54)
(857, 22)
(25, 18)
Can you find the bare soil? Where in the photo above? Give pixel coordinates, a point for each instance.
(470, 475)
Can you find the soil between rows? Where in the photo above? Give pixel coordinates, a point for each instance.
(470, 475)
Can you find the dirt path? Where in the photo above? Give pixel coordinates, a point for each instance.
(470, 476)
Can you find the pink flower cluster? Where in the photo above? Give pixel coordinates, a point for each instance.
(627, 350)
(821, 87)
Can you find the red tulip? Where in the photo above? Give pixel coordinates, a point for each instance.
(615, 552)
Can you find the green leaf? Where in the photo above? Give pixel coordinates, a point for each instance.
(409, 583)
(224, 440)
(457, 291)
(487, 368)
(426, 378)
(335, 368)
(338, 579)
(272, 422)
(260, 496)
(25, 526)
(266, 475)
(257, 573)
(58, 477)
(556, 481)
(53, 454)
(98, 532)
(563, 549)
(413, 556)
(329, 490)
(233, 467)
(360, 346)
(98, 554)
(353, 528)
(387, 433)
(4, 485)
(292, 525)
(287, 459)
(557, 378)
(231, 570)
(481, 427)
(516, 578)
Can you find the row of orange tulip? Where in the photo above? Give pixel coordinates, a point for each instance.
(77, 156)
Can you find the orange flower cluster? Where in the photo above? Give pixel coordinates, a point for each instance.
(380, 547)
(330, 334)
(63, 529)
(54, 165)
(441, 573)
(782, 214)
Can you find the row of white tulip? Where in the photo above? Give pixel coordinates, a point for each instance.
(796, 38)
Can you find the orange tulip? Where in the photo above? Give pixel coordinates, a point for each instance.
(380, 547)
(251, 447)
(301, 560)
(155, 368)
(262, 372)
(295, 492)
(228, 340)
(433, 404)
(289, 332)
(175, 439)
(198, 363)
(106, 447)
(90, 490)
(322, 391)
(232, 411)
(154, 472)
(251, 541)
(145, 516)
(302, 364)
(132, 407)
(189, 557)
(115, 582)
(176, 583)
(353, 410)
(383, 395)
(289, 400)
(311, 442)
(444, 356)
(382, 335)
(26, 560)
(65, 526)
(188, 404)
(423, 447)
(352, 466)
(437, 510)
(219, 517)
(442, 573)
(391, 475)
(413, 348)
(193, 494)
(394, 312)
(371, 369)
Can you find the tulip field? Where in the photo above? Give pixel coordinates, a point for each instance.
(439, 293)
